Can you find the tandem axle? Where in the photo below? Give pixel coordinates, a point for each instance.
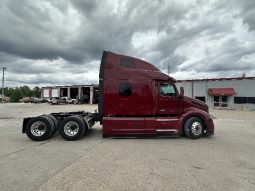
(71, 125)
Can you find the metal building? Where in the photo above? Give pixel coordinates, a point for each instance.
(85, 93)
(233, 93)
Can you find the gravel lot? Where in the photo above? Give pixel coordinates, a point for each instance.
(226, 161)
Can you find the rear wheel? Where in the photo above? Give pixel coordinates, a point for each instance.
(39, 128)
(194, 128)
(72, 128)
(55, 123)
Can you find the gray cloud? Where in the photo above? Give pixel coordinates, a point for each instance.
(56, 42)
(244, 9)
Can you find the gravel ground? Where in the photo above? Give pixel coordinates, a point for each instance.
(224, 161)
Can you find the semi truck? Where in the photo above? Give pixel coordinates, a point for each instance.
(135, 99)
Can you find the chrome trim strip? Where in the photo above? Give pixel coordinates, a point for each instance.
(166, 119)
(166, 130)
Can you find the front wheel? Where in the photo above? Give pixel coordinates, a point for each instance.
(194, 128)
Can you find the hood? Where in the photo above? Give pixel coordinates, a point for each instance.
(196, 103)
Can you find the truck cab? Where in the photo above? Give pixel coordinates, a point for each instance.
(136, 98)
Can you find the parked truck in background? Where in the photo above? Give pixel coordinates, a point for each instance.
(135, 99)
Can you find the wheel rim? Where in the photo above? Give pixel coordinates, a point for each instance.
(38, 128)
(196, 128)
(71, 128)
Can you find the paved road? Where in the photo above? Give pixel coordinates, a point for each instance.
(222, 162)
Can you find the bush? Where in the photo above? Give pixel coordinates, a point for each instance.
(18, 93)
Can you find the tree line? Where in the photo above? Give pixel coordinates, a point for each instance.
(18, 93)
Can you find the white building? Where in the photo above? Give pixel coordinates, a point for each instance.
(86, 93)
(233, 93)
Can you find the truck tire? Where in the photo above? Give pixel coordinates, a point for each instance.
(55, 122)
(39, 128)
(194, 128)
(51, 124)
(72, 128)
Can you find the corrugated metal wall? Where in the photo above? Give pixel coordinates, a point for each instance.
(243, 88)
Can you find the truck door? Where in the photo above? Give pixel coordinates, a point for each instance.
(128, 109)
(169, 104)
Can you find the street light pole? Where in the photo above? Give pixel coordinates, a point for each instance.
(3, 85)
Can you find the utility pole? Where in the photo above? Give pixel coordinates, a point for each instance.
(3, 85)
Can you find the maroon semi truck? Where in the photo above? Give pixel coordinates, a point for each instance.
(135, 99)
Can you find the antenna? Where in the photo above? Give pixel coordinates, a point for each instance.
(168, 68)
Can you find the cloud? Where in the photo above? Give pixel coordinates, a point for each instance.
(56, 42)
(244, 9)
(38, 30)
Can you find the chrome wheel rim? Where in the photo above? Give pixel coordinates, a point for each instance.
(71, 128)
(38, 128)
(196, 128)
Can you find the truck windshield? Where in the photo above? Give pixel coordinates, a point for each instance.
(167, 89)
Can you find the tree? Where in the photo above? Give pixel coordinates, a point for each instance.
(7, 91)
(36, 92)
(25, 91)
(16, 95)
(19, 92)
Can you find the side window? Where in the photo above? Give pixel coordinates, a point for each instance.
(167, 90)
(124, 62)
(125, 89)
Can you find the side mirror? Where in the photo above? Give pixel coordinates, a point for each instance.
(181, 92)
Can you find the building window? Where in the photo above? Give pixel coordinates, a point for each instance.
(125, 89)
(240, 100)
(200, 98)
(216, 101)
(244, 100)
(167, 89)
(224, 101)
(221, 101)
(124, 62)
(251, 100)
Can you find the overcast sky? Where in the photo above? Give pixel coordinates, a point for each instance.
(56, 42)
